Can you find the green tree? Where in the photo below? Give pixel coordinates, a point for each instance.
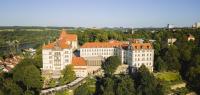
(193, 76)
(146, 82)
(171, 58)
(160, 64)
(107, 87)
(68, 75)
(111, 64)
(25, 73)
(86, 88)
(83, 90)
(38, 58)
(11, 88)
(125, 86)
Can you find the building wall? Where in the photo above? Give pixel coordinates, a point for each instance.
(56, 59)
(134, 58)
(73, 44)
(138, 57)
(80, 71)
(95, 52)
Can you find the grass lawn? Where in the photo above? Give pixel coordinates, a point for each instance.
(168, 76)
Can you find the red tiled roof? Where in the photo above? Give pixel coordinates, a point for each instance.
(141, 46)
(102, 44)
(62, 41)
(78, 61)
(59, 43)
(68, 37)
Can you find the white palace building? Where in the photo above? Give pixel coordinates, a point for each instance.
(58, 54)
(134, 53)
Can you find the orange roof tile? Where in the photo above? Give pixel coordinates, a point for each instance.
(102, 44)
(68, 37)
(78, 61)
(59, 43)
(62, 41)
(141, 46)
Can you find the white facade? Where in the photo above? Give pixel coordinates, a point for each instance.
(81, 71)
(132, 56)
(171, 41)
(137, 58)
(196, 25)
(57, 55)
(170, 26)
(96, 52)
(73, 44)
(56, 59)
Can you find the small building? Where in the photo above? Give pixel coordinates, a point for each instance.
(31, 51)
(80, 66)
(190, 37)
(171, 41)
(196, 25)
(170, 26)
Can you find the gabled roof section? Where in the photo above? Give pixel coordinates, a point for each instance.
(62, 41)
(141, 46)
(109, 44)
(68, 37)
(78, 61)
(59, 43)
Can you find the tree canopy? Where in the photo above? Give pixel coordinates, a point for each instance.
(68, 75)
(111, 64)
(27, 74)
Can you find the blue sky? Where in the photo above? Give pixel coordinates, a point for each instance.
(99, 13)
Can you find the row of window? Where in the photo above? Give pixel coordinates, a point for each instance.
(139, 64)
(48, 67)
(59, 53)
(93, 54)
(142, 59)
(143, 50)
(142, 54)
(50, 57)
(92, 50)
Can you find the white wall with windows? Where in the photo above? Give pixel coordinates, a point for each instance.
(56, 59)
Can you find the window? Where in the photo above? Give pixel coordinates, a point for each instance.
(135, 47)
(66, 60)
